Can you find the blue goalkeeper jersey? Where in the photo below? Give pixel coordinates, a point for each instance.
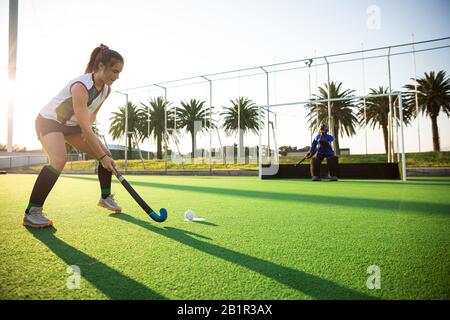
(324, 143)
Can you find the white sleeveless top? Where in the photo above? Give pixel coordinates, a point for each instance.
(60, 108)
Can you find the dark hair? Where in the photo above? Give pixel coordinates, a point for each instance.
(102, 54)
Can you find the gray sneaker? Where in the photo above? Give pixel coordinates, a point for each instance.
(334, 178)
(35, 218)
(109, 203)
(316, 178)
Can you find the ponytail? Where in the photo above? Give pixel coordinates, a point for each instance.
(102, 54)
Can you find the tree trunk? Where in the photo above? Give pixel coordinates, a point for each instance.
(385, 136)
(241, 144)
(130, 147)
(435, 131)
(194, 146)
(159, 147)
(336, 141)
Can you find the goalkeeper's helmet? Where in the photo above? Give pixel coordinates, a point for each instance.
(323, 127)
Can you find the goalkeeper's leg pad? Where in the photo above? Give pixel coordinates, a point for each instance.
(315, 167)
(333, 166)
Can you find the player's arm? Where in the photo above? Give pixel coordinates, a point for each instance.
(104, 148)
(80, 99)
(92, 119)
(313, 147)
(93, 115)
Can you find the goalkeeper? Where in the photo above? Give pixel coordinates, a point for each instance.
(322, 146)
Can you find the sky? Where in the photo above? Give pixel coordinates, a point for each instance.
(167, 40)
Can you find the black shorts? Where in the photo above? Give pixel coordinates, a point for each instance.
(45, 126)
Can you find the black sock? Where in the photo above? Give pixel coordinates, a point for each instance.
(104, 176)
(42, 187)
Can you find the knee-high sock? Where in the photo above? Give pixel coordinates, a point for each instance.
(42, 187)
(104, 176)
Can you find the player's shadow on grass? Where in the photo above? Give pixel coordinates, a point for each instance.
(379, 204)
(430, 179)
(206, 223)
(309, 284)
(399, 183)
(388, 205)
(112, 283)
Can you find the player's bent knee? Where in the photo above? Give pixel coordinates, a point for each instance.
(59, 163)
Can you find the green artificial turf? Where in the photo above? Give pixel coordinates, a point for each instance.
(270, 239)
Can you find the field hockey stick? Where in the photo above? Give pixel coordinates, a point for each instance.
(305, 158)
(162, 212)
(298, 163)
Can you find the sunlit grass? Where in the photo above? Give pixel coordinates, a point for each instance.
(269, 239)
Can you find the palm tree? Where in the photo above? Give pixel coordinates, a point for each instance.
(434, 96)
(344, 119)
(136, 121)
(155, 112)
(247, 111)
(188, 114)
(377, 110)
